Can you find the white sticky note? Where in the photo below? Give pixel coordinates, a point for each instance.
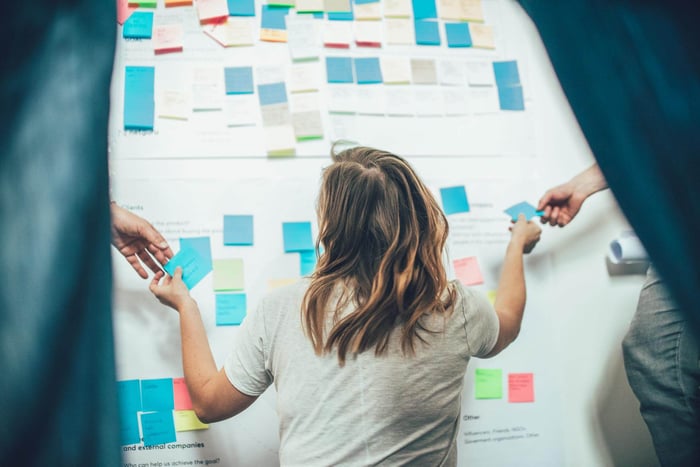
(398, 8)
(234, 32)
(168, 38)
(429, 101)
(399, 31)
(303, 37)
(342, 98)
(269, 74)
(368, 11)
(304, 77)
(482, 36)
(337, 5)
(212, 10)
(307, 125)
(480, 73)
(484, 100)
(399, 101)
(456, 101)
(241, 110)
(309, 6)
(395, 70)
(452, 72)
(280, 140)
(337, 34)
(304, 102)
(423, 71)
(207, 88)
(174, 104)
(370, 100)
(369, 33)
(276, 114)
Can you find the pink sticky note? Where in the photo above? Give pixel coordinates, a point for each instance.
(521, 387)
(212, 11)
(124, 11)
(467, 271)
(181, 395)
(168, 38)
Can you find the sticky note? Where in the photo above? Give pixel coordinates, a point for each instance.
(273, 17)
(458, 35)
(337, 34)
(307, 262)
(304, 77)
(461, 10)
(341, 15)
(273, 93)
(456, 102)
(207, 89)
(521, 387)
(368, 70)
(158, 428)
(488, 384)
(124, 11)
(175, 3)
(337, 5)
(364, 2)
(139, 25)
(173, 104)
(397, 8)
(309, 6)
(368, 11)
(423, 71)
(428, 102)
(339, 69)
(230, 309)
(181, 396)
(467, 271)
(427, 32)
(241, 110)
(143, 3)
(273, 284)
(238, 230)
(194, 267)
(454, 199)
(511, 98)
(307, 125)
(139, 101)
(280, 141)
(424, 9)
(129, 428)
(168, 38)
(399, 101)
(303, 37)
(228, 274)
(524, 207)
(212, 11)
(186, 420)
(239, 80)
(241, 7)
(399, 31)
(297, 236)
(480, 74)
(482, 36)
(129, 396)
(368, 33)
(396, 70)
(452, 72)
(157, 394)
(506, 73)
(202, 245)
(233, 32)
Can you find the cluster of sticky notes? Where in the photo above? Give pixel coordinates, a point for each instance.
(454, 199)
(231, 304)
(524, 208)
(297, 238)
(194, 258)
(488, 384)
(467, 271)
(161, 406)
(510, 90)
(139, 101)
(279, 133)
(273, 25)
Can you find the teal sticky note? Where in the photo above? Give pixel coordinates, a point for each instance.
(525, 208)
(339, 70)
(427, 32)
(307, 262)
(506, 73)
(138, 26)
(454, 200)
(202, 245)
(341, 15)
(194, 258)
(458, 35)
(139, 103)
(273, 17)
(368, 70)
(129, 397)
(273, 93)
(238, 230)
(511, 97)
(424, 9)
(157, 394)
(158, 428)
(241, 7)
(297, 236)
(239, 80)
(230, 309)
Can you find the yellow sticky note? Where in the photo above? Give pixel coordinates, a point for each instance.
(186, 420)
(482, 36)
(273, 35)
(228, 274)
(277, 283)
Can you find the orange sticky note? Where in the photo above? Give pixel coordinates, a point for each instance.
(467, 271)
(181, 395)
(212, 11)
(172, 3)
(124, 11)
(168, 38)
(521, 387)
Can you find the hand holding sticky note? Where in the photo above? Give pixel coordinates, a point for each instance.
(195, 265)
(524, 208)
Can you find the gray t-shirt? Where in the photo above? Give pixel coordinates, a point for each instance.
(391, 410)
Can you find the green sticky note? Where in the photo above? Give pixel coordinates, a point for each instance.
(228, 274)
(488, 383)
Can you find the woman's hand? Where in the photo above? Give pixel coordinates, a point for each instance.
(525, 233)
(171, 291)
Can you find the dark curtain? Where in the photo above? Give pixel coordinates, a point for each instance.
(57, 389)
(631, 72)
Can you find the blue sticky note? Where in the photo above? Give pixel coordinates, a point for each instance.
(297, 236)
(511, 97)
(202, 245)
(339, 69)
(139, 103)
(341, 15)
(315, 14)
(273, 17)
(454, 200)
(239, 80)
(273, 93)
(307, 262)
(458, 35)
(139, 25)
(230, 309)
(241, 7)
(129, 428)
(506, 73)
(157, 394)
(525, 208)
(129, 396)
(194, 266)
(424, 9)
(368, 70)
(427, 32)
(158, 428)
(238, 230)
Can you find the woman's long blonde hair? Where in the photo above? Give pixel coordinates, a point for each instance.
(383, 236)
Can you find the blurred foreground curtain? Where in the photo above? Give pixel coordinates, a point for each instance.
(57, 388)
(631, 72)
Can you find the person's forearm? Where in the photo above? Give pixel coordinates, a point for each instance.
(589, 181)
(510, 296)
(197, 360)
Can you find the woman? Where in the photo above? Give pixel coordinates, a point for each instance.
(368, 355)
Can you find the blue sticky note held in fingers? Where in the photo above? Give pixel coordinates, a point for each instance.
(297, 236)
(230, 309)
(194, 258)
(368, 70)
(158, 428)
(157, 394)
(523, 208)
(454, 200)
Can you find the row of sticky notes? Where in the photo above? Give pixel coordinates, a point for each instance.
(454, 201)
(162, 406)
(488, 384)
(167, 38)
